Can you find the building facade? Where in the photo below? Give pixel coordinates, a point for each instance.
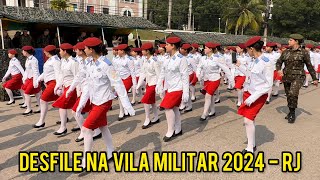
(134, 8)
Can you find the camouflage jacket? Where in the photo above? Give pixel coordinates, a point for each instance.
(26, 40)
(294, 61)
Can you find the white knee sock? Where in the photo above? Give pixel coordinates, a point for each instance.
(28, 102)
(212, 105)
(207, 103)
(107, 138)
(171, 121)
(80, 121)
(38, 95)
(121, 113)
(250, 130)
(240, 96)
(269, 94)
(22, 95)
(88, 143)
(189, 103)
(217, 95)
(147, 112)
(43, 112)
(177, 116)
(193, 91)
(133, 95)
(63, 118)
(155, 112)
(276, 87)
(96, 132)
(10, 94)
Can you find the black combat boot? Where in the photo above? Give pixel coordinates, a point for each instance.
(292, 116)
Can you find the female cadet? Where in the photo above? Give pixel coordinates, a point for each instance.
(69, 69)
(185, 50)
(150, 71)
(239, 77)
(15, 70)
(125, 67)
(196, 56)
(259, 81)
(208, 70)
(30, 84)
(100, 76)
(175, 73)
(80, 83)
(50, 75)
(138, 63)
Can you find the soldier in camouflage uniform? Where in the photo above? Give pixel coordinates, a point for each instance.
(25, 39)
(293, 72)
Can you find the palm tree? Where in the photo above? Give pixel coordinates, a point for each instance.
(241, 14)
(59, 4)
(169, 14)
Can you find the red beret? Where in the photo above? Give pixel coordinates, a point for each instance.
(173, 40)
(271, 44)
(50, 48)
(92, 41)
(195, 45)
(136, 49)
(186, 46)
(285, 46)
(115, 48)
(12, 51)
(27, 48)
(156, 52)
(232, 48)
(66, 46)
(242, 45)
(318, 47)
(210, 45)
(162, 45)
(146, 46)
(122, 46)
(252, 41)
(310, 46)
(79, 45)
(218, 44)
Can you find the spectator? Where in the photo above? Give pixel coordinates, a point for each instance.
(91, 34)
(82, 37)
(116, 41)
(44, 39)
(26, 39)
(55, 40)
(138, 42)
(7, 41)
(16, 40)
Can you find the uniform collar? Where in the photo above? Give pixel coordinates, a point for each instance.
(30, 57)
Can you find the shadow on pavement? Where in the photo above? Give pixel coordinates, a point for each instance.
(142, 141)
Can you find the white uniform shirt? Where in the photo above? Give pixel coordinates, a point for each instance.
(316, 60)
(244, 61)
(51, 69)
(79, 80)
(196, 59)
(175, 73)
(100, 76)
(14, 68)
(32, 70)
(138, 63)
(209, 68)
(69, 70)
(150, 71)
(125, 67)
(259, 76)
(192, 63)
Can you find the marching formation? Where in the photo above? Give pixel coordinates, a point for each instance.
(80, 78)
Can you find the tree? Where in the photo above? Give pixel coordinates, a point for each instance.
(242, 14)
(59, 4)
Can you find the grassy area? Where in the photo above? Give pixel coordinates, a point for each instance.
(148, 34)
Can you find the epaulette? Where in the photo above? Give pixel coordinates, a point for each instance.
(155, 58)
(106, 60)
(180, 55)
(265, 59)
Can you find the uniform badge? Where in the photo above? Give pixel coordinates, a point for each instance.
(113, 74)
(99, 69)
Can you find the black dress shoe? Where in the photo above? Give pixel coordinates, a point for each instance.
(194, 100)
(13, 102)
(161, 108)
(23, 107)
(120, 118)
(78, 140)
(167, 139)
(155, 122)
(181, 109)
(202, 91)
(147, 126)
(75, 129)
(59, 122)
(211, 115)
(177, 134)
(37, 112)
(203, 119)
(188, 110)
(28, 113)
(133, 103)
(110, 108)
(21, 104)
(267, 102)
(275, 95)
(58, 134)
(97, 136)
(36, 126)
(217, 102)
(254, 148)
(245, 151)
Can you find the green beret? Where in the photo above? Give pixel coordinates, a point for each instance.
(296, 36)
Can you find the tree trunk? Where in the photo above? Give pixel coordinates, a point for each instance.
(242, 30)
(190, 16)
(169, 14)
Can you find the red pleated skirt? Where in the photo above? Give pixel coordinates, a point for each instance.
(48, 94)
(97, 116)
(252, 111)
(14, 83)
(66, 103)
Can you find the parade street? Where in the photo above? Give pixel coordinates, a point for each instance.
(224, 132)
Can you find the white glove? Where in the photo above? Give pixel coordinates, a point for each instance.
(232, 84)
(159, 89)
(161, 95)
(3, 79)
(23, 80)
(55, 90)
(249, 101)
(68, 93)
(130, 110)
(78, 111)
(185, 97)
(36, 85)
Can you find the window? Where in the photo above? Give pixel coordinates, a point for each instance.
(129, 1)
(105, 10)
(127, 13)
(90, 9)
(22, 3)
(36, 3)
(3, 2)
(73, 7)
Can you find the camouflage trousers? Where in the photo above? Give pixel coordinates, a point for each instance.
(292, 91)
